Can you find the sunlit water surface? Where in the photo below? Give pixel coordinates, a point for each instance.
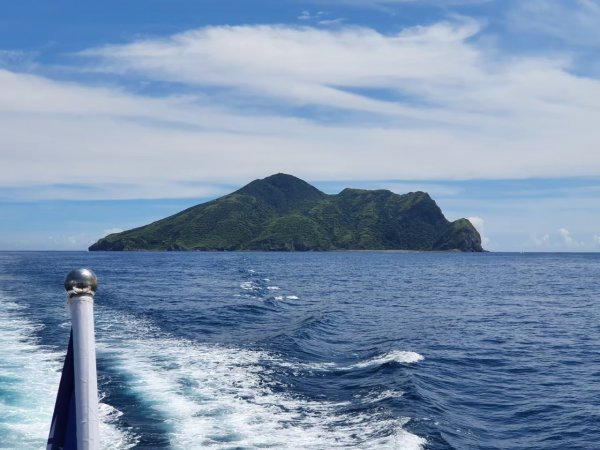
(365, 350)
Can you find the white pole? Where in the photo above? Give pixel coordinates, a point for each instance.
(81, 286)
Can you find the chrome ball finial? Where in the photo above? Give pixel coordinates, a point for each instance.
(81, 281)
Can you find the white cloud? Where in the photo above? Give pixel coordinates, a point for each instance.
(542, 241)
(527, 223)
(573, 21)
(307, 15)
(330, 22)
(308, 65)
(596, 239)
(451, 81)
(321, 18)
(561, 240)
(455, 111)
(566, 237)
(479, 224)
(103, 189)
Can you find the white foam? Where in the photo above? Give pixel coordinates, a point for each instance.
(30, 375)
(291, 297)
(248, 286)
(377, 397)
(218, 397)
(393, 356)
(397, 356)
(273, 288)
(111, 436)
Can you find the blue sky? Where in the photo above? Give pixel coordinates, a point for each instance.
(118, 113)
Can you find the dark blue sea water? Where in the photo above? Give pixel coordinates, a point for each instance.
(314, 350)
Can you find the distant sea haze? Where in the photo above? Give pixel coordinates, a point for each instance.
(305, 350)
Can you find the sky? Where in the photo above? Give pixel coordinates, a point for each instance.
(114, 114)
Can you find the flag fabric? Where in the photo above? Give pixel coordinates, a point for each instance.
(63, 430)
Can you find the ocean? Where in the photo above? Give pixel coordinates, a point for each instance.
(381, 350)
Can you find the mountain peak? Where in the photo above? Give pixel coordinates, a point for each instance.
(282, 191)
(282, 177)
(284, 181)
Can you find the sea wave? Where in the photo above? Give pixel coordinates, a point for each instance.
(30, 374)
(222, 397)
(396, 356)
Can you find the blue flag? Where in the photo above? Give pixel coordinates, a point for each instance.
(63, 430)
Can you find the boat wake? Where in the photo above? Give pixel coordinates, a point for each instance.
(29, 378)
(212, 396)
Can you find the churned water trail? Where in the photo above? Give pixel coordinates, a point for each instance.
(212, 396)
(29, 377)
(314, 350)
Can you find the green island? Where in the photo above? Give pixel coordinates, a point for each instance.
(285, 213)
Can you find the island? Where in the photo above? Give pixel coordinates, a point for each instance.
(284, 213)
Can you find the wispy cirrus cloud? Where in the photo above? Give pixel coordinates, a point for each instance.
(435, 68)
(320, 18)
(573, 21)
(304, 64)
(435, 77)
(324, 104)
(308, 16)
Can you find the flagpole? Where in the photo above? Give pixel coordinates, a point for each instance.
(81, 285)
